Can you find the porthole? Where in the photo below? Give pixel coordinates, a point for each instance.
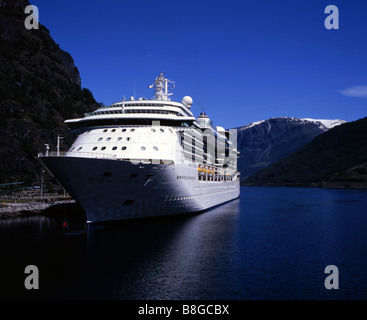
(108, 139)
(161, 130)
(155, 148)
(153, 130)
(119, 139)
(123, 148)
(100, 139)
(123, 130)
(72, 149)
(80, 148)
(103, 148)
(128, 139)
(142, 148)
(132, 130)
(105, 130)
(95, 148)
(114, 148)
(113, 130)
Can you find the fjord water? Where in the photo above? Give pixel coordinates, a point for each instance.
(272, 243)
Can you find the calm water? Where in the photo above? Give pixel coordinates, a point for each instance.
(272, 243)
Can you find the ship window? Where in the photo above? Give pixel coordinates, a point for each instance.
(119, 139)
(128, 139)
(132, 130)
(193, 149)
(153, 130)
(114, 148)
(205, 144)
(103, 148)
(80, 148)
(123, 130)
(170, 130)
(142, 148)
(95, 148)
(72, 149)
(105, 130)
(108, 139)
(123, 148)
(155, 148)
(161, 130)
(100, 139)
(113, 130)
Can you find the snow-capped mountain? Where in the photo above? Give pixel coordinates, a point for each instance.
(264, 142)
(336, 158)
(323, 124)
(328, 124)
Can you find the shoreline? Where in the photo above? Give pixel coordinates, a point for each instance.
(13, 210)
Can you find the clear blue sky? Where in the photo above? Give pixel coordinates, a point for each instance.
(241, 61)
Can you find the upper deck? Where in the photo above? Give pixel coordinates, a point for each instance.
(152, 130)
(142, 110)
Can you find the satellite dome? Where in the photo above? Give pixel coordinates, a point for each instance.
(187, 101)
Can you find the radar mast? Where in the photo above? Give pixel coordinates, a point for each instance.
(161, 86)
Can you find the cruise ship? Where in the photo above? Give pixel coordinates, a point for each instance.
(144, 157)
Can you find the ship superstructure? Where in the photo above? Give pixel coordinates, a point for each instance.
(147, 157)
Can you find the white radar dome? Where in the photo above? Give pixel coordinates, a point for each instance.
(187, 101)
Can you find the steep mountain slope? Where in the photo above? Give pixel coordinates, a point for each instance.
(338, 156)
(39, 88)
(263, 143)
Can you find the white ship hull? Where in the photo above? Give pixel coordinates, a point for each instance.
(186, 164)
(117, 190)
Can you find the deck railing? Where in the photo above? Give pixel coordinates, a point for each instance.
(94, 155)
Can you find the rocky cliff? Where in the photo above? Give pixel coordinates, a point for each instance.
(40, 87)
